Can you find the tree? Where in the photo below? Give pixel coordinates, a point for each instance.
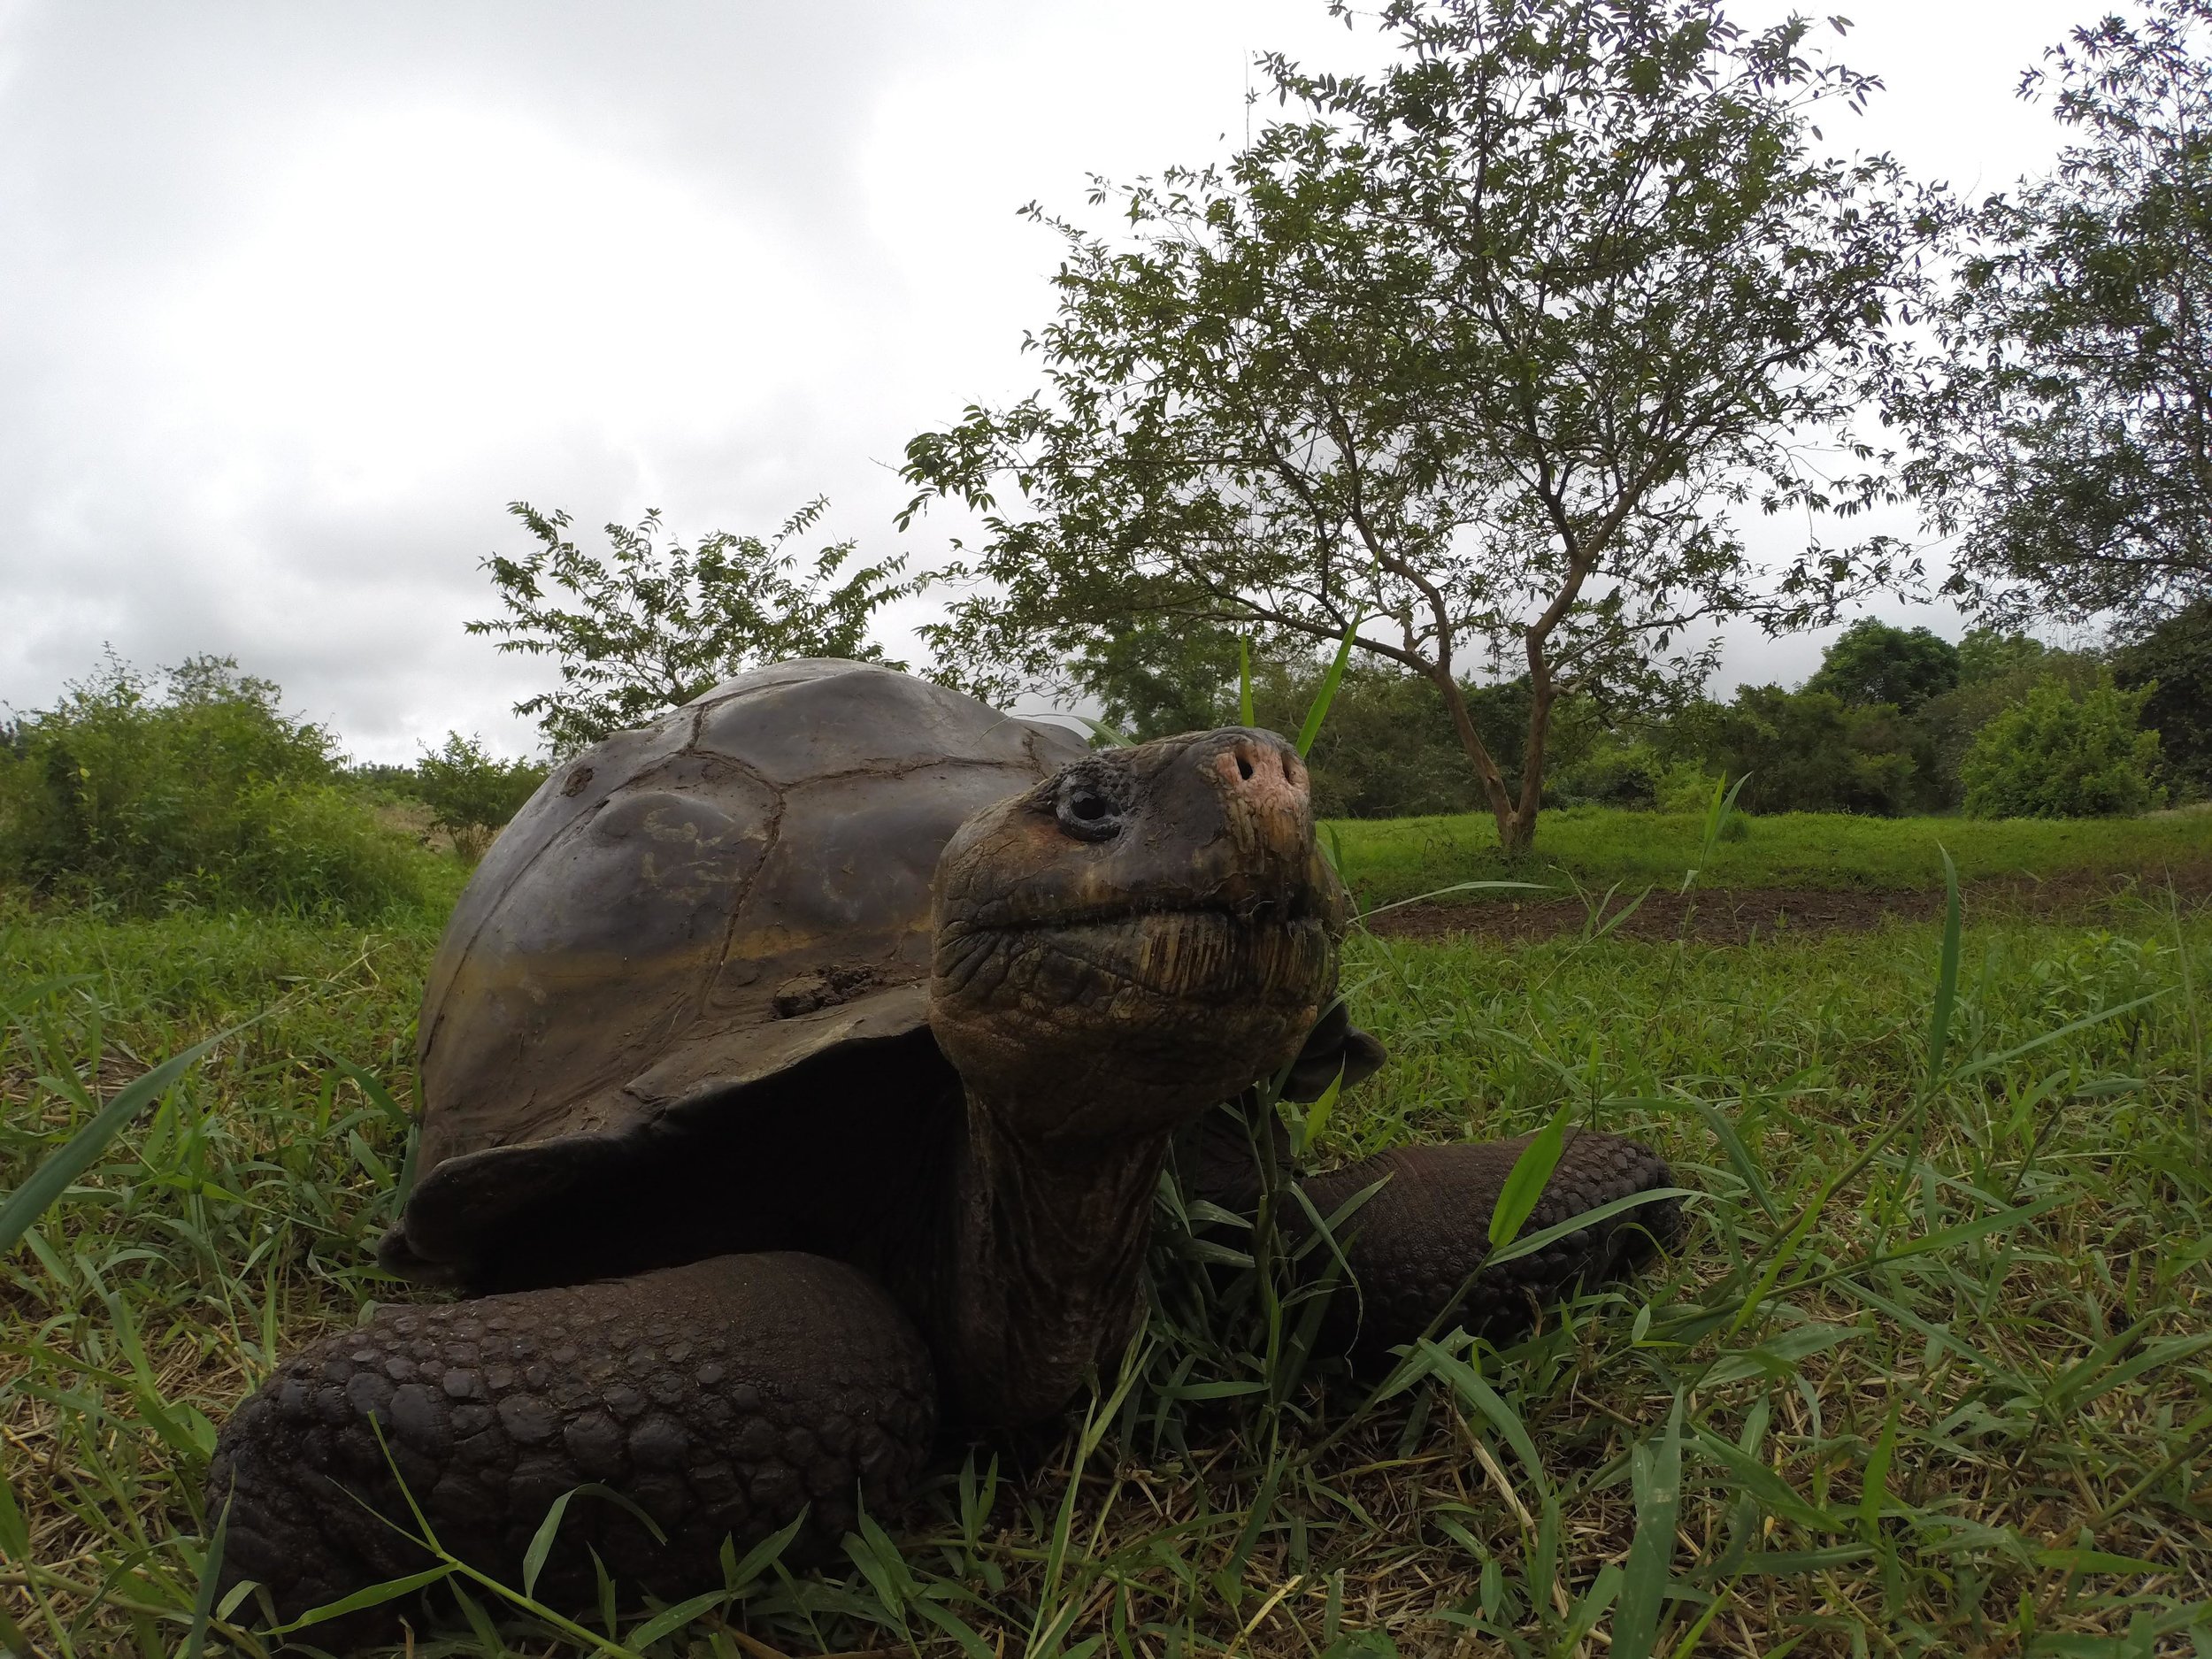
(1154, 679)
(2171, 663)
(1473, 357)
(1997, 671)
(2068, 440)
(2064, 754)
(1990, 654)
(1871, 661)
(661, 624)
(470, 793)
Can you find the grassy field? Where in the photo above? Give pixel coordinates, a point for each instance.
(1391, 859)
(1932, 1373)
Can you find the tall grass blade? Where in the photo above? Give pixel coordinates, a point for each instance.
(1531, 1171)
(211, 1573)
(1655, 1475)
(15, 1533)
(23, 998)
(1319, 712)
(51, 1178)
(373, 1595)
(672, 1619)
(1550, 1236)
(1244, 681)
(1946, 975)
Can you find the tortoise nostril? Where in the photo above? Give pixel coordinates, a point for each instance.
(1244, 766)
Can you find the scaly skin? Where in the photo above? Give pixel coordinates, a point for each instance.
(1416, 1241)
(721, 1397)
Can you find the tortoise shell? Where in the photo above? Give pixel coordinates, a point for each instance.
(676, 919)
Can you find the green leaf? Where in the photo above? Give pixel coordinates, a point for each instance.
(957, 1628)
(1767, 1489)
(1469, 1383)
(15, 1535)
(1779, 1355)
(1536, 1241)
(41, 990)
(53, 1178)
(764, 1555)
(1656, 1477)
(1319, 712)
(2096, 1561)
(1525, 1185)
(541, 1542)
(1874, 1492)
(373, 1595)
(670, 1619)
(204, 1598)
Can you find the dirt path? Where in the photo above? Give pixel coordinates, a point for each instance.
(1739, 915)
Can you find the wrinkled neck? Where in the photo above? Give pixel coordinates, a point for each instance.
(1042, 1259)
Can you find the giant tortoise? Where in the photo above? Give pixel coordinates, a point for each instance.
(797, 1073)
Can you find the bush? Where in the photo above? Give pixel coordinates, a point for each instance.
(2064, 753)
(206, 793)
(1804, 751)
(1997, 672)
(471, 794)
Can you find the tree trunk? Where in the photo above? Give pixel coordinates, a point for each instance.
(1511, 835)
(1520, 836)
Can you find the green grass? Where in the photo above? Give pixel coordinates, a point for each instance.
(1932, 1374)
(1387, 860)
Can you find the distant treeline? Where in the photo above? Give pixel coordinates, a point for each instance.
(140, 793)
(1894, 722)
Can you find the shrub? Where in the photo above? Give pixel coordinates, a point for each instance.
(2004, 672)
(2064, 753)
(1805, 751)
(204, 794)
(1388, 748)
(472, 794)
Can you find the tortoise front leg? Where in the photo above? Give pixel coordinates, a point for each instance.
(1417, 1241)
(722, 1397)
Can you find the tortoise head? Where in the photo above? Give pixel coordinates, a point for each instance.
(1144, 932)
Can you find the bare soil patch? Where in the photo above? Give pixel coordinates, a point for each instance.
(1736, 916)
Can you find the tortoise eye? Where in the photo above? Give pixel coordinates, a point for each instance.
(1087, 812)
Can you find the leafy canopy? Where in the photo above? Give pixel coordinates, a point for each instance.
(1475, 355)
(1872, 662)
(659, 623)
(2068, 440)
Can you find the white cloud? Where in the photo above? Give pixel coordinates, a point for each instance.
(292, 300)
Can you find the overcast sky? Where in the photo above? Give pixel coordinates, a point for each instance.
(295, 297)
